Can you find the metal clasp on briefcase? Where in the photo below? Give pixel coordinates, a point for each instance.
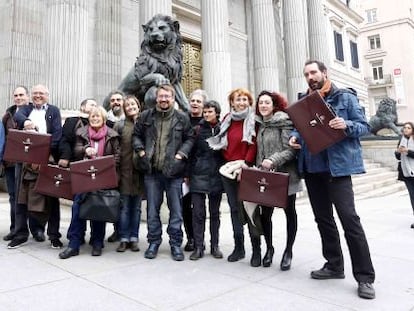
(58, 179)
(27, 144)
(262, 184)
(93, 171)
(319, 118)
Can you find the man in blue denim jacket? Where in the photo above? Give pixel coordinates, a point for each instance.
(328, 181)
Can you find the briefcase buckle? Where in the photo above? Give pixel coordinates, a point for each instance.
(58, 180)
(319, 118)
(27, 144)
(262, 184)
(92, 170)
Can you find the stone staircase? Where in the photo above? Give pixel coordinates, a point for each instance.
(379, 180)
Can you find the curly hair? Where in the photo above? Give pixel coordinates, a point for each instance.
(279, 102)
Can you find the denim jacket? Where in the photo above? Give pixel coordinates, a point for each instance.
(345, 157)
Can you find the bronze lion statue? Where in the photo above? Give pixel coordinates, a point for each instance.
(385, 117)
(160, 62)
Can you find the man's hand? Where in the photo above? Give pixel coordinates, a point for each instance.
(293, 143)
(337, 123)
(63, 163)
(29, 125)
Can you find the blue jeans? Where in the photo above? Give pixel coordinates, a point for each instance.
(130, 218)
(155, 185)
(76, 231)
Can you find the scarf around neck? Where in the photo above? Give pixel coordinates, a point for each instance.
(98, 137)
(220, 140)
(407, 163)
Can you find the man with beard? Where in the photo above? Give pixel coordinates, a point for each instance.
(328, 181)
(163, 139)
(116, 101)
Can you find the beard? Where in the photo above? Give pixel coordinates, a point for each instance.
(316, 85)
(117, 110)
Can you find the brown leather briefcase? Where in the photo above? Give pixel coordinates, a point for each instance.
(27, 146)
(54, 181)
(311, 116)
(93, 174)
(266, 188)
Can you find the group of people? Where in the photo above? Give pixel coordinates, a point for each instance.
(163, 150)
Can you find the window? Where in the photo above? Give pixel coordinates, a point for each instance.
(377, 72)
(339, 51)
(371, 15)
(374, 42)
(354, 54)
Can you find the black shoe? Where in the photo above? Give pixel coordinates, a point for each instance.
(8, 237)
(151, 251)
(326, 273)
(236, 255)
(189, 246)
(286, 260)
(256, 260)
(176, 253)
(15, 243)
(96, 251)
(197, 254)
(216, 252)
(69, 252)
(366, 290)
(268, 257)
(56, 244)
(133, 246)
(412, 226)
(122, 247)
(39, 236)
(113, 237)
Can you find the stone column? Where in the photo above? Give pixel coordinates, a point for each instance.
(216, 54)
(317, 32)
(65, 48)
(149, 8)
(295, 46)
(264, 46)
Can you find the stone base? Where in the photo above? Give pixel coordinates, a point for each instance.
(381, 150)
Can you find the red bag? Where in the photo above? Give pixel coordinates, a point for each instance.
(93, 174)
(27, 146)
(54, 181)
(311, 116)
(266, 188)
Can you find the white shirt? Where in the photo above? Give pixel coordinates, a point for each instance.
(38, 117)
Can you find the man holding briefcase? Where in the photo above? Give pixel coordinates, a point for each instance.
(328, 181)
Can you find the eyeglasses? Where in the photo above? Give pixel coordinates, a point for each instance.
(116, 99)
(18, 95)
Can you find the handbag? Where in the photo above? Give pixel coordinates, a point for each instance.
(266, 188)
(54, 181)
(27, 146)
(311, 116)
(101, 205)
(93, 174)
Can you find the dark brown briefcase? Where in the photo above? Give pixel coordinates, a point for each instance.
(311, 116)
(266, 188)
(54, 181)
(93, 174)
(27, 146)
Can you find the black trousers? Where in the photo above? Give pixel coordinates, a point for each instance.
(325, 191)
(199, 217)
(188, 216)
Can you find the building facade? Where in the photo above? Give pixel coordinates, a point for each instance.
(82, 48)
(387, 49)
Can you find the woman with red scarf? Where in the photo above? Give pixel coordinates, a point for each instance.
(93, 140)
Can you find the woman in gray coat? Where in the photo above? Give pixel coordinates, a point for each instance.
(273, 152)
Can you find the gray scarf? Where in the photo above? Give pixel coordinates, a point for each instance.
(407, 163)
(219, 141)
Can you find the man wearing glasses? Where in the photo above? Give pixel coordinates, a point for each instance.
(163, 138)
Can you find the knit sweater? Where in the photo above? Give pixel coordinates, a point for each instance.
(236, 148)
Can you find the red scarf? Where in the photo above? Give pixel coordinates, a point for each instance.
(98, 137)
